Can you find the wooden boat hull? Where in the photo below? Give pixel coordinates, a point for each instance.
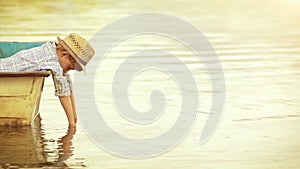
(20, 96)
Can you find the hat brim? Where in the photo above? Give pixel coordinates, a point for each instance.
(78, 66)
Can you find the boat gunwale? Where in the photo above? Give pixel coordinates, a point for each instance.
(24, 74)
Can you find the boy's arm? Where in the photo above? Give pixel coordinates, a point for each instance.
(74, 107)
(64, 83)
(67, 104)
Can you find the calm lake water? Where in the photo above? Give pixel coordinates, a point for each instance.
(257, 43)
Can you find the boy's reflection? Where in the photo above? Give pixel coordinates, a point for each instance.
(65, 148)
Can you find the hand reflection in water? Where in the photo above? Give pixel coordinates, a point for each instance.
(65, 149)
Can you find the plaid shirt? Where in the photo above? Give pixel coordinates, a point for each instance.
(38, 59)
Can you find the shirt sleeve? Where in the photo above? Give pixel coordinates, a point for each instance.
(69, 81)
(62, 84)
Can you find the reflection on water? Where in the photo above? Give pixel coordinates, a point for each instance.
(21, 146)
(25, 146)
(65, 147)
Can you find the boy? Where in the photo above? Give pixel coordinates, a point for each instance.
(71, 53)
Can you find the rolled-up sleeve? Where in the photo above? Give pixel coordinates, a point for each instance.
(69, 81)
(63, 84)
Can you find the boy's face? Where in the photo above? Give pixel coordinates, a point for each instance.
(66, 61)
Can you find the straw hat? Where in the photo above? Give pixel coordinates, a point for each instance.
(79, 48)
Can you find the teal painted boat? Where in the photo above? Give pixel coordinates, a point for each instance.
(9, 48)
(20, 92)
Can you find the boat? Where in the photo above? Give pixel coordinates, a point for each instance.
(20, 92)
